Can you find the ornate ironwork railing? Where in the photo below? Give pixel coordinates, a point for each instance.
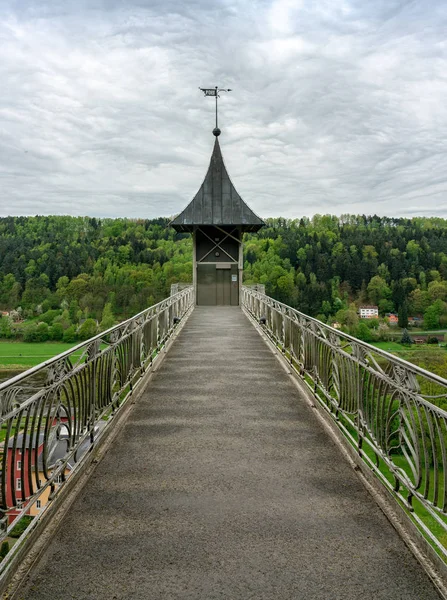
(393, 412)
(52, 414)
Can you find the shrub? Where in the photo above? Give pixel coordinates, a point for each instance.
(70, 334)
(49, 316)
(43, 332)
(88, 329)
(108, 320)
(17, 531)
(406, 339)
(372, 323)
(30, 333)
(431, 339)
(4, 549)
(63, 319)
(56, 332)
(6, 330)
(363, 332)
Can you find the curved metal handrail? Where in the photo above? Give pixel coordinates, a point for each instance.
(394, 412)
(52, 414)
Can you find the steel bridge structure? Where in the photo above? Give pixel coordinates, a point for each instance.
(224, 452)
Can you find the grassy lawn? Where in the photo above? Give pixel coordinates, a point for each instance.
(395, 347)
(389, 346)
(17, 355)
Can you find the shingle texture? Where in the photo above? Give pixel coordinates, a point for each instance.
(217, 201)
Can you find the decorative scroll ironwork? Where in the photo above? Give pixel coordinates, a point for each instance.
(52, 414)
(393, 412)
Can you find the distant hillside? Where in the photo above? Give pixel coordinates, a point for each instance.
(87, 262)
(320, 265)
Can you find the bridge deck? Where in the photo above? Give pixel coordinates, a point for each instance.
(223, 484)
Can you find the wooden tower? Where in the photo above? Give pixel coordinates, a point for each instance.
(217, 217)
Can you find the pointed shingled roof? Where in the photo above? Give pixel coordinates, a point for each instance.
(217, 201)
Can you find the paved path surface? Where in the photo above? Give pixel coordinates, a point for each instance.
(223, 485)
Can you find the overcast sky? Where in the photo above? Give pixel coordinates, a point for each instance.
(337, 105)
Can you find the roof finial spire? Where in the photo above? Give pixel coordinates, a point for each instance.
(215, 92)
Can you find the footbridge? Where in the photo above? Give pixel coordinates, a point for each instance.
(223, 452)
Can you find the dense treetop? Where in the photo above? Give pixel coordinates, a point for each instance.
(325, 263)
(106, 269)
(65, 270)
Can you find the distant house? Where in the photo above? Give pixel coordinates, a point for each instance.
(4, 313)
(415, 321)
(393, 319)
(369, 312)
(24, 478)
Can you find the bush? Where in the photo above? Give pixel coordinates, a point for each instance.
(43, 332)
(88, 329)
(372, 323)
(63, 319)
(363, 332)
(56, 332)
(36, 333)
(17, 531)
(30, 333)
(49, 316)
(432, 340)
(108, 320)
(406, 339)
(4, 549)
(6, 330)
(70, 335)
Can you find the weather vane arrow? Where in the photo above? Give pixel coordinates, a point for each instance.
(214, 92)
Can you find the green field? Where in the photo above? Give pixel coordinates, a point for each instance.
(397, 348)
(20, 355)
(389, 346)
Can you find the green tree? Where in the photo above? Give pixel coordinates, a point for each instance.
(363, 332)
(437, 290)
(56, 331)
(348, 317)
(88, 329)
(6, 330)
(326, 307)
(9, 291)
(108, 319)
(42, 332)
(30, 333)
(406, 339)
(70, 334)
(419, 301)
(432, 314)
(73, 311)
(64, 320)
(403, 316)
(378, 290)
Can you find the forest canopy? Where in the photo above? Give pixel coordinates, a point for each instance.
(103, 270)
(326, 264)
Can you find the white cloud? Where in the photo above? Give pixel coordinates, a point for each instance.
(336, 107)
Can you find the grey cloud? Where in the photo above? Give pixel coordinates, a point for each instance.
(337, 107)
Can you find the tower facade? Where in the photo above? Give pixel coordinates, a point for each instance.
(217, 217)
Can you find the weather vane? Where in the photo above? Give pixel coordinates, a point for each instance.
(214, 92)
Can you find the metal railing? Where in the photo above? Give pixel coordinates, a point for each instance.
(391, 410)
(52, 414)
